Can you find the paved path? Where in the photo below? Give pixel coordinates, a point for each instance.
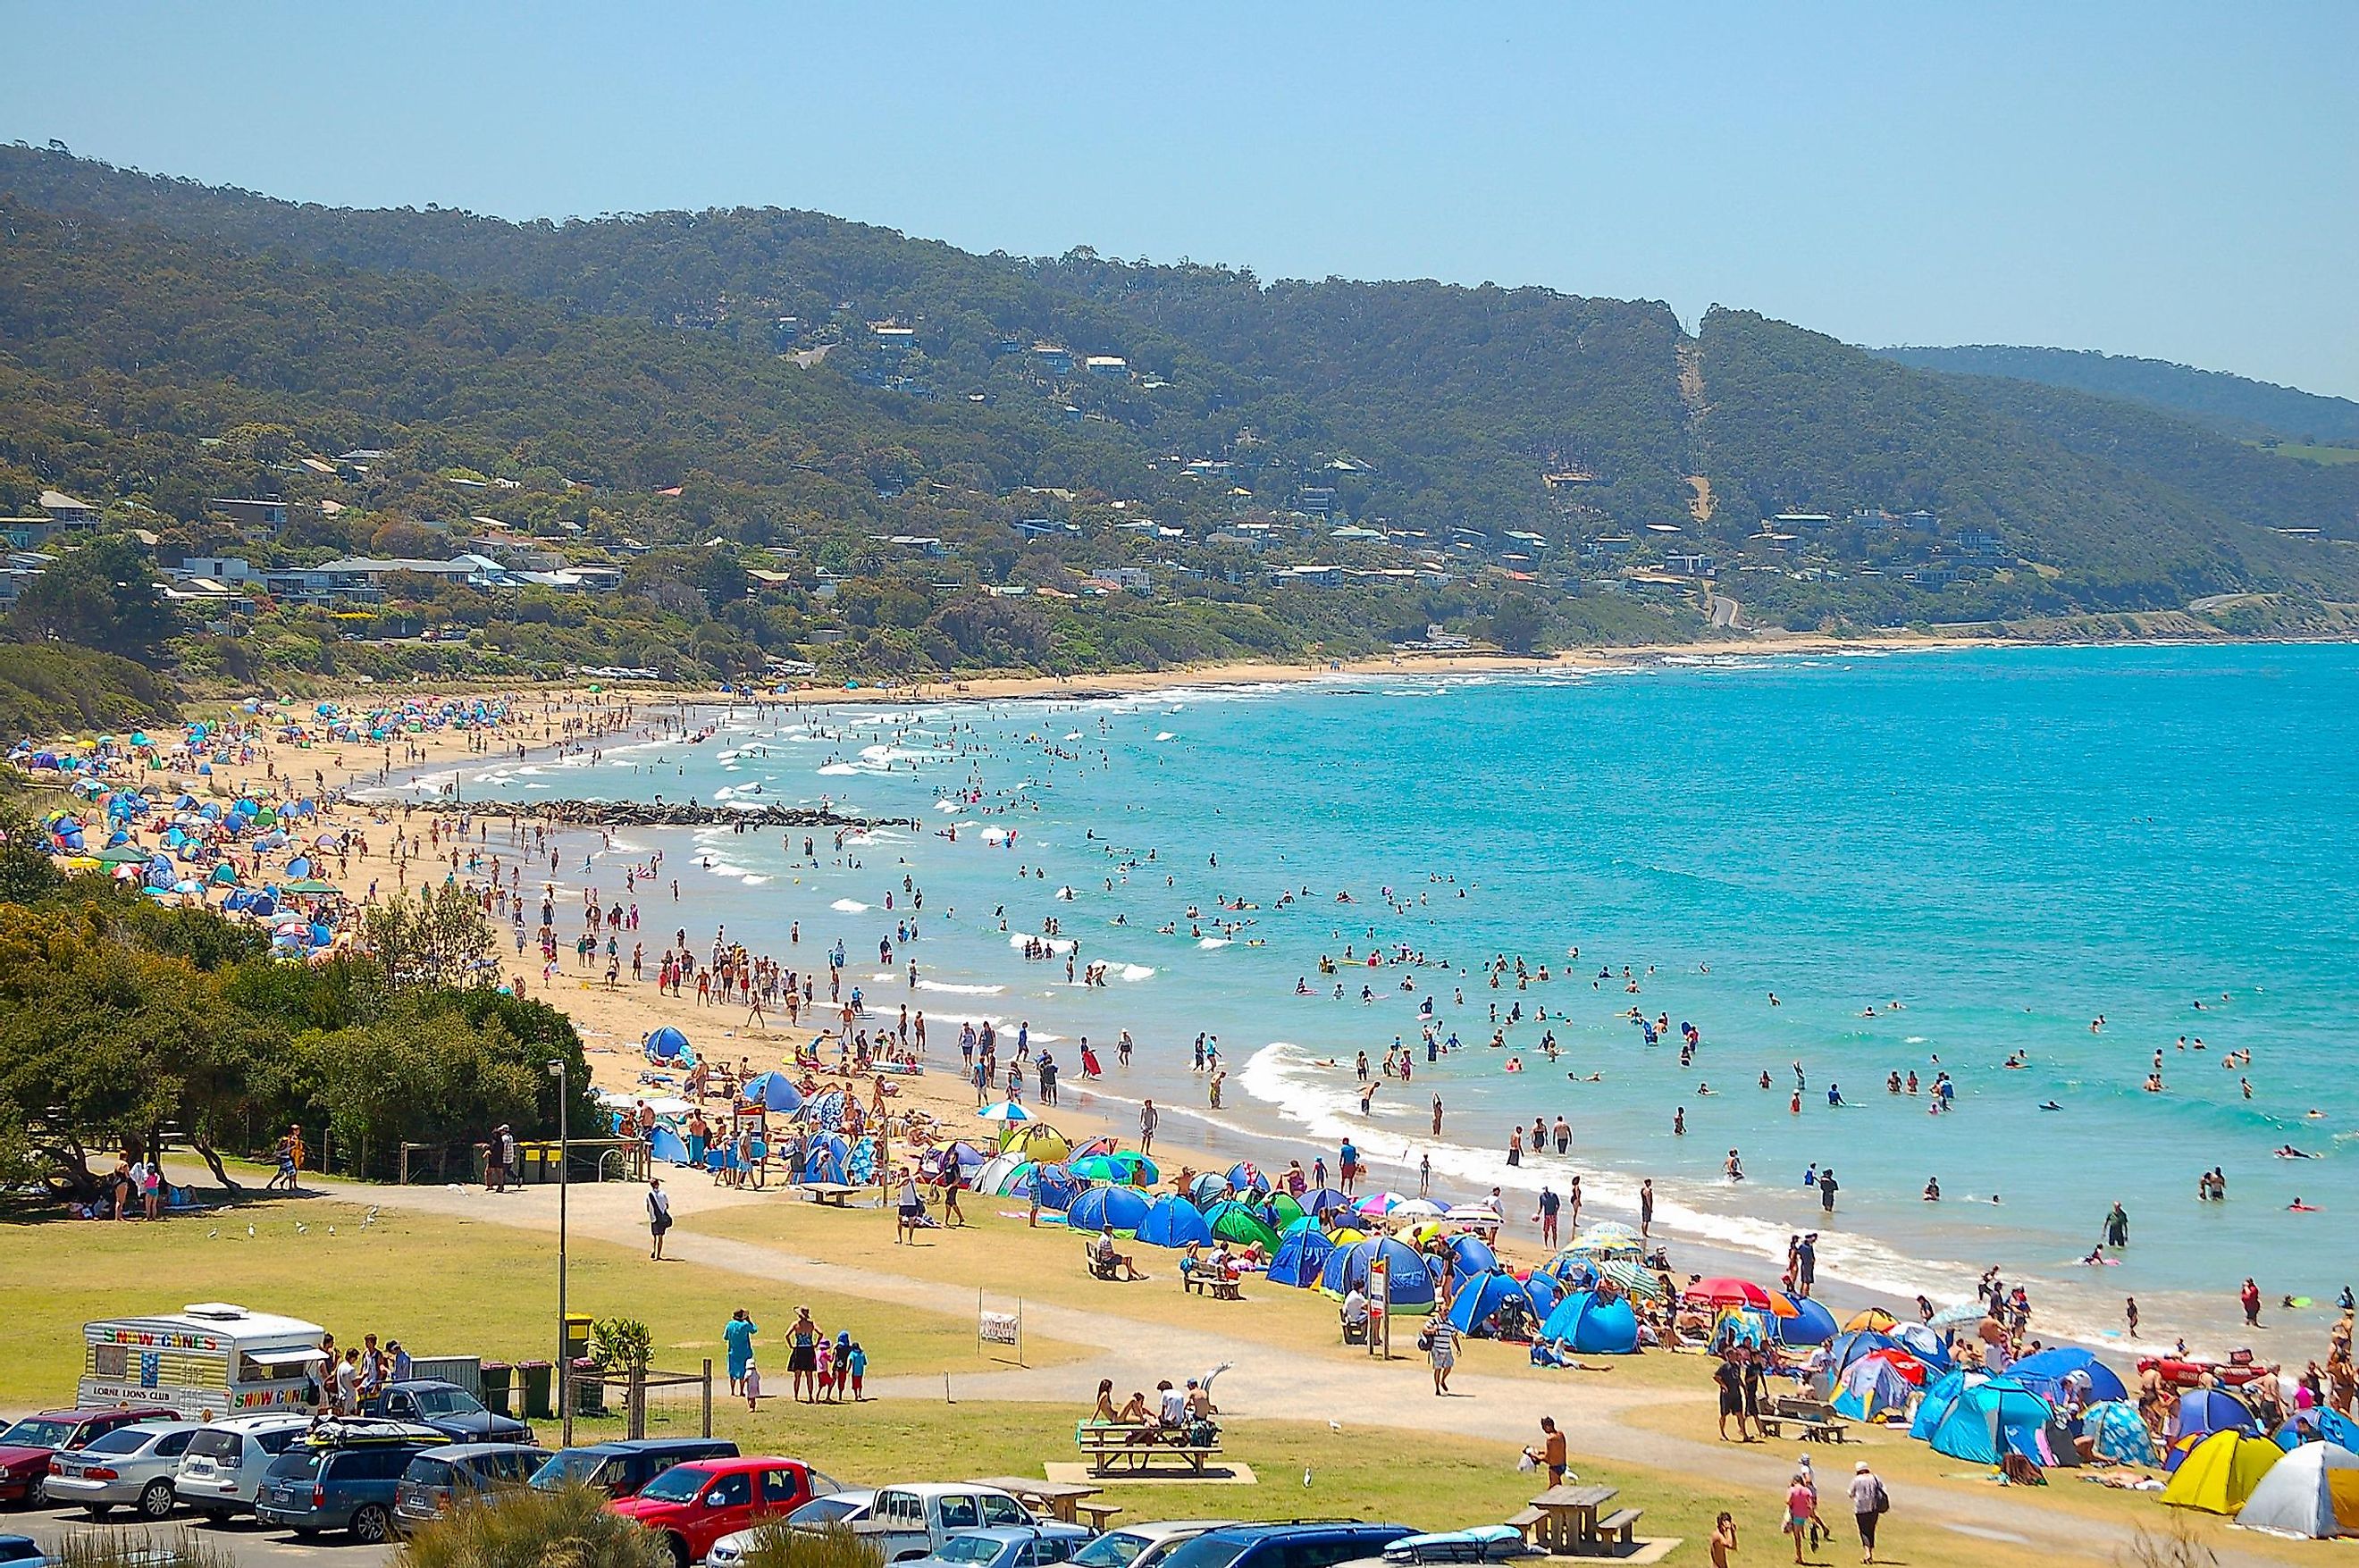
(1264, 1380)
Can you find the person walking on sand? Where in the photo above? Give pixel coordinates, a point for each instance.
(1869, 1503)
(2250, 1296)
(1441, 1349)
(658, 1217)
(1149, 1118)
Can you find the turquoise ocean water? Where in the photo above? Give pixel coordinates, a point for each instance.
(2011, 842)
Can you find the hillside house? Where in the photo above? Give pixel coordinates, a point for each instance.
(1689, 563)
(1050, 360)
(67, 512)
(251, 513)
(1108, 364)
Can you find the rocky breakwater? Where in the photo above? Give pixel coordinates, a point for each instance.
(662, 814)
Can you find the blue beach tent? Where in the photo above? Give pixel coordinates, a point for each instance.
(667, 1146)
(1481, 1297)
(1106, 1208)
(1346, 1269)
(1939, 1395)
(2116, 1433)
(1543, 1292)
(825, 1158)
(775, 1091)
(1846, 1348)
(1994, 1418)
(2319, 1424)
(1301, 1258)
(1810, 1324)
(1469, 1255)
(2207, 1410)
(1319, 1200)
(2044, 1373)
(666, 1042)
(1593, 1327)
(1173, 1221)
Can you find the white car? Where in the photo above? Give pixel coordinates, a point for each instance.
(1142, 1545)
(223, 1468)
(905, 1523)
(130, 1466)
(848, 1507)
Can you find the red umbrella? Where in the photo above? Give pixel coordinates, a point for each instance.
(1724, 1291)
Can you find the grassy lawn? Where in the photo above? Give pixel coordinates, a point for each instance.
(2317, 453)
(1007, 1257)
(439, 1285)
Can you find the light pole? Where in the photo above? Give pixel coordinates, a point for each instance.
(564, 1367)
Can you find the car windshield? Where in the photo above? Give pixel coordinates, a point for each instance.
(1214, 1551)
(823, 1511)
(34, 1431)
(1117, 1550)
(970, 1549)
(679, 1485)
(122, 1440)
(444, 1402)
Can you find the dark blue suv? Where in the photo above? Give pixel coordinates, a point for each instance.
(1319, 1543)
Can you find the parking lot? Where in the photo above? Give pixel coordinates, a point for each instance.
(253, 1545)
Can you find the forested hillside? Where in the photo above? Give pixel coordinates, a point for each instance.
(2230, 404)
(888, 427)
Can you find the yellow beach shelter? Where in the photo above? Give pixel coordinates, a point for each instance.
(2220, 1473)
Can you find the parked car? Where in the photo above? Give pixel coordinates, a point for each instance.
(1484, 1543)
(23, 1552)
(130, 1466)
(342, 1477)
(1012, 1546)
(442, 1476)
(450, 1410)
(27, 1448)
(693, 1505)
(846, 1507)
(619, 1469)
(225, 1463)
(1300, 1544)
(905, 1523)
(1142, 1545)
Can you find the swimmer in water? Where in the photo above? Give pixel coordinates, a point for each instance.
(2288, 1151)
(2049, 1106)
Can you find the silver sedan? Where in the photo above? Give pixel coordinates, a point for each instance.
(131, 1467)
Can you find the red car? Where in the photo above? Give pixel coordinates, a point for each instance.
(26, 1447)
(693, 1505)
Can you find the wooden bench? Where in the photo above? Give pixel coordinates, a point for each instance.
(1099, 1268)
(1523, 1523)
(1809, 1429)
(1618, 1530)
(1196, 1280)
(1136, 1449)
(834, 1194)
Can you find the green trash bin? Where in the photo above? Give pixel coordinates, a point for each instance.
(589, 1389)
(535, 1376)
(496, 1376)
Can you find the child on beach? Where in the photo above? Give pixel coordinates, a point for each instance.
(856, 1363)
(753, 1386)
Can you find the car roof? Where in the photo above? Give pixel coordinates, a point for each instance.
(259, 1422)
(647, 1445)
(1287, 1529)
(724, 1464)
(945, 1489)
(133, 1413)
(426, 1383)
(1008, 1532)
(1164, 1530)
(160, 1428)
(472, 1450)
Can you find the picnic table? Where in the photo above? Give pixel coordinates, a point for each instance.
(1136, 1447)
(1065, 1502)
(835, 1194)
(1812, 1421)
(1566, 1520)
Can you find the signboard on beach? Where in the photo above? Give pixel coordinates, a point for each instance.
(1000, 1328)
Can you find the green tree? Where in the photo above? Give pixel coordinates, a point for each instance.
(436, 938)
(1516, 624)
(103, 597)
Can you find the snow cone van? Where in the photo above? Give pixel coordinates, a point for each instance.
(210, 1359)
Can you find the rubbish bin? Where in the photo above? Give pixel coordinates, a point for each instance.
(496, 1376)
(577, 1335)
(535, 1376)
(589, 1389)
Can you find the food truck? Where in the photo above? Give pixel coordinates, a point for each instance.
(208, 1360)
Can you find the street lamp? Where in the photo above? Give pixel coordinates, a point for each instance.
(564, 1367)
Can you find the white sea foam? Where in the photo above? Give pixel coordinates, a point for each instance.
(1212, 942)
(1164, 734)
(1059, 945)
(950, 988)
(1135, 971)
(849, 906)
(841, 769)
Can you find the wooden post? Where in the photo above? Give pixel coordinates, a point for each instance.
(707, 1397)
(634, 1402)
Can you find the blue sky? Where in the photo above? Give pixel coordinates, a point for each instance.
(2181, 181)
